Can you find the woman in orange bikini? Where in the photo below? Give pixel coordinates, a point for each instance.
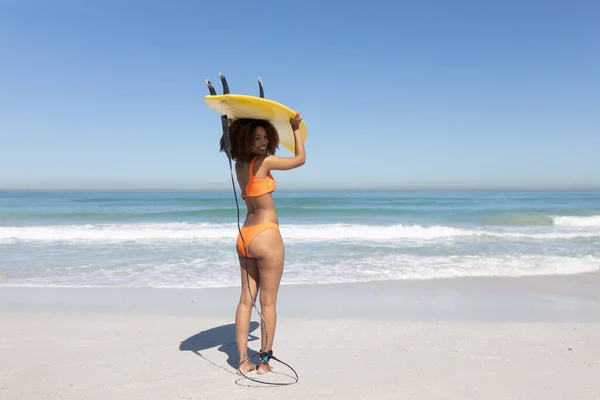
(260, 248)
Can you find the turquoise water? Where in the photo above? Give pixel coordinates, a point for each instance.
(187, 239)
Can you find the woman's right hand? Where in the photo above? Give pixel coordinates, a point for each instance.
(295, 122)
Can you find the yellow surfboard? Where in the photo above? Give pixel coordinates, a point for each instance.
(237, 106)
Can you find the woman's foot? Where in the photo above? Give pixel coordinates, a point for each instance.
(246, 367)
(263, 368)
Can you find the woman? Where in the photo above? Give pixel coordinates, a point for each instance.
(260, 246)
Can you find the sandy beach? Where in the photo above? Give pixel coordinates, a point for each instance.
(467, 338)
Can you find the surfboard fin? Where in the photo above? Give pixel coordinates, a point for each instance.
(260, 86)
(211, 88)
(224, 83)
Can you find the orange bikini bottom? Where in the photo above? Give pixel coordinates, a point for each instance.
(249, 233)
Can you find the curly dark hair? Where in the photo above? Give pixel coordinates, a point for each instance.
(241, 134)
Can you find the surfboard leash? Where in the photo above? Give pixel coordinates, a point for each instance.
(264, 356)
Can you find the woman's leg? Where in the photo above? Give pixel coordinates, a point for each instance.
(244, 310)
(268, 248)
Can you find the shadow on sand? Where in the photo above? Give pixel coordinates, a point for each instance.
(222, 337)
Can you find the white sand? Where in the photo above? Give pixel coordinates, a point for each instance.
(532, 338)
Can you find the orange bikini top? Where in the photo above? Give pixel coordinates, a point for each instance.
(258, 186)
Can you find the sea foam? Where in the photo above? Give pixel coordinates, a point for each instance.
(593, 220)
(206, 232)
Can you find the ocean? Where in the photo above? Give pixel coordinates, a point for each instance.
(187, 239)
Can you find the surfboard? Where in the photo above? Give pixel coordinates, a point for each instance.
(236, 106)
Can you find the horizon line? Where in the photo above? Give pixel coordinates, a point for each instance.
(112, 189)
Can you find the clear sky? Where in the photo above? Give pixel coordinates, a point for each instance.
(109, 94)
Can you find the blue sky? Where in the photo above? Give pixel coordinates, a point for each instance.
(109, 94)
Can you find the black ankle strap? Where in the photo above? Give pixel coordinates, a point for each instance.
(266, 356)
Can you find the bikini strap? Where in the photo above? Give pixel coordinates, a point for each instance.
(251, 170)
